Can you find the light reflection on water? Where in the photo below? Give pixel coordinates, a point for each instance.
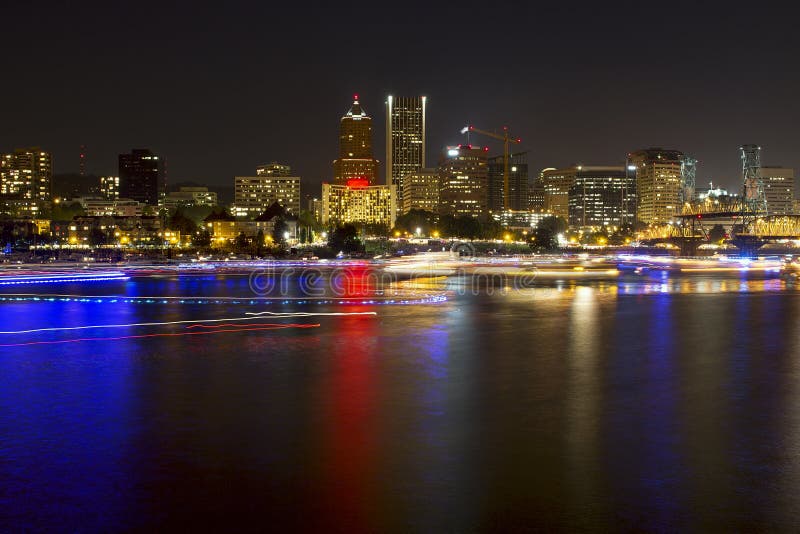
(659, 405)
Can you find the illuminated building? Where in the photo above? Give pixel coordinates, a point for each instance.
(420, 191)
(315, 208)
(464, 175)
(191, 196)
(273, 169)
(26, 175)
(658, 184)
(358, 202)
(355, 147)
(121, 207)
(254, 194)
(405, 139)
(536, 192)
(602, 197)
(556, 184)
(225, 229)
(520, 219)
(517, 183)
(778, 188)
(141, 176)
(109, 187)
(136, 231)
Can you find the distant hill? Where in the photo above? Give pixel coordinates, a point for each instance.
(70, 185)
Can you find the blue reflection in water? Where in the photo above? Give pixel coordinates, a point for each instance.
(663, 470)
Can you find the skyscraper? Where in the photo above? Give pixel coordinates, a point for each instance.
(557, 183)
(464, 175)
(27, 174)
(602, 197)
(778, 188)
(421, 191)
(355, 147)
(517, 183)
(405, 139)
(658, 183)
(141, 176)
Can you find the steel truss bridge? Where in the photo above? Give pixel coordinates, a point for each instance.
(696, 220)
(745, 219)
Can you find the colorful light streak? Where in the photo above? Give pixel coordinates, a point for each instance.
(276, 326)
(195, 322)
(244, 301)
(64, 277)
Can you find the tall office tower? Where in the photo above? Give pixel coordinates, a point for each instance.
(254, 194)
(405, 139)
(355, 148)
(556, 184)
(517, 183)
(464, 175)
(109, 187)
(659, 182)
(141, 176)
(778, 188)
(602, 197)
(27, 174)
(536, 192)
(273, 169)
(421, 191)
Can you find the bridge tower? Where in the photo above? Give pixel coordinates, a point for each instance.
(754, 200)
(688, 179)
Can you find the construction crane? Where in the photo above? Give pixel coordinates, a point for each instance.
(506, 139)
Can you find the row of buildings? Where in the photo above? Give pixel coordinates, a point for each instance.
(652, 186)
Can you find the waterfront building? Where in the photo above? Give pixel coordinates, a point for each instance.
(26, 175)
(355, 147)
(420, 191)
(126, 231)
(463, 181)
(659, 180)
(556, 184)
(405, 139)
(602, 197)
(517, 183)
(778, 189)
(520, 219)
(141, 176)
(358, 202)
(254, 194)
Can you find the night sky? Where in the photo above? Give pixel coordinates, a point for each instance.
(219, 89)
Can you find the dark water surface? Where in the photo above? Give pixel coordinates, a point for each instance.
(665, 406)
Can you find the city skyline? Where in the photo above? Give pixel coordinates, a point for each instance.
(203, 118)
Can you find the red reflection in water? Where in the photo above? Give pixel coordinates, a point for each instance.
(356, 281)
(349, 438)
